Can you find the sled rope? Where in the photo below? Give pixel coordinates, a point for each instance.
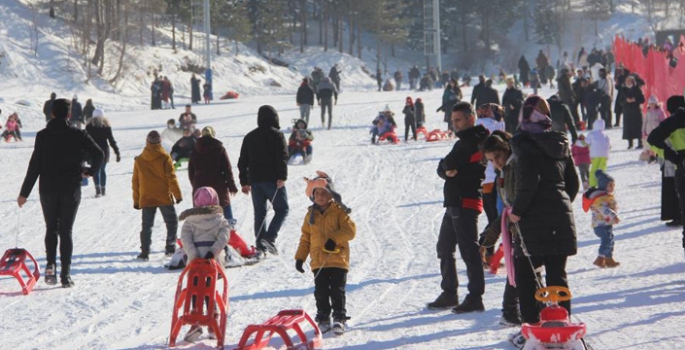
(538, 278)
(268, 207)
(328, 255)
(16, 231)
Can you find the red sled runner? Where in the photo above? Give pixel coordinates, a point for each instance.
(13, 264)
(201, 282)
(439, 135)
(280, 324)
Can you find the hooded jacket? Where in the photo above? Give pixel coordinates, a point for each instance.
(264, 153)
(491, 125)
(99, 129)
(334, 223)
(154, 180)
(464, 189)
(599, 141)
(546, 184)
(305, 95)
(603, 207)
(209, 166)
(581, 152)
(512, 100)
(326, 90)
(653, 118)
(205, 229)
(57, 159)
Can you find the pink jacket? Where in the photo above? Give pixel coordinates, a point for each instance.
(11, 125)
(581, 152)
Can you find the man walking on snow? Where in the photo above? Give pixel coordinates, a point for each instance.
(325, 94)
(57, 159)
(263, 166)
(463, 173)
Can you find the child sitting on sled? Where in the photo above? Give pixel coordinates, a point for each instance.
(12, 128)
(300, 140)
(326, 231)
(204, 235)
(601, 201)
(384, 125)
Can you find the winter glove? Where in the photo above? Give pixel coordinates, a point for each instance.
(136, 207)
(118, 158)
(209, 255)
(298, 265)
(330, 245)
(178, 201)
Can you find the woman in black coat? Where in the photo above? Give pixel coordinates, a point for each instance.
(100, 130)
(524, 71)
(195, 89)
(511, 102)
(633, 98)
(546, 184)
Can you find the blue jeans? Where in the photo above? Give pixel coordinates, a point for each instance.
(606, 235)
(228, 214)
(261, 193)
(100, 176)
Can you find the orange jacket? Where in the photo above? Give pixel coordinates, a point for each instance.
(334, 223)
(154, 179)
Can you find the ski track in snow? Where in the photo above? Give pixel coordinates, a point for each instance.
(396, 198)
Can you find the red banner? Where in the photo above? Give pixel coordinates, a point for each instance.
(661, 80)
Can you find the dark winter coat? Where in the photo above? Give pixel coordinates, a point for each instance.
(578, 91)
(184, 147)
(88, 111)
(195, 90)
(464, 189)
(546, 184)
(620, 84)
(632, 113)
(209, 166)
(409, 115)
(512, 100)
(487, 94)
(305, 95)
(57, 159)
(186, 124)
(449, 99)
(420, 113)
(562, 119)
(334, 74)
(264, 153)
(524, 70)
(47, 109)
(101, 133)
(414, 73)
(566, 93)
(476, 92)
(76, 112)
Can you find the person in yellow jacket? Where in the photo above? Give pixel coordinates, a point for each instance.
(155, 186)
(326, 232)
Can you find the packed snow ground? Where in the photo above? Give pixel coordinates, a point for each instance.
(119, 303)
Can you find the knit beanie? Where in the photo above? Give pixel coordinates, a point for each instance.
(535, 115)
(208, 131)
(603, 179)
(153, 137)
(653, 100)
(324, 182)
(205, 196)
(98, 113)
(674, 103)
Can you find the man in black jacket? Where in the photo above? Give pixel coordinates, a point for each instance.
(487, 94)
(47, 107)
(463, 173)
(305, 99)
(263, 166)
(57, 159)
(562, 119)
(477, 89)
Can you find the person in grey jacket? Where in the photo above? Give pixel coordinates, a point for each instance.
(325, 93)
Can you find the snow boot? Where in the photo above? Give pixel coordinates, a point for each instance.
(67, 282)
(443, 302)
(510, 318)
(610, 262)
(51, 274)
(470, 304)
(339, 324)
(324, 323)
(193, 334)
(518, 340)
(143, 256)
(169, 250)
(98, 192)
(102, 190)
(600, 262)
(674, 223)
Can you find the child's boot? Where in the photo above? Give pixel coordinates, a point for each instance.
(324, 322)
(339, 324)
(98, 191)
(193, 334)
(610, 262)
(600, 262)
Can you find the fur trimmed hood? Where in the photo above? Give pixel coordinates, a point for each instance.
(212, 209)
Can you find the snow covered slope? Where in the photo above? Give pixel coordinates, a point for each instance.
(396, 198)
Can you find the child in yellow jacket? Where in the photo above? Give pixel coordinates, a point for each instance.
(601, 201)
(326, 231)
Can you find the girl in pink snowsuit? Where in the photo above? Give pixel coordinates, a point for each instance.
(11, 128)
(654, 116)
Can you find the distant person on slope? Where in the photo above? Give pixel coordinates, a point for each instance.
(57, 159)
(409, 119)
(77, 119)
(305, 99)
(325, 94)
(155, 186)
(334, 74)
(187, 119)
(195, 89)
(100, 130)
(263, 166)
(88, 110)
(47, 107)
(450, 97)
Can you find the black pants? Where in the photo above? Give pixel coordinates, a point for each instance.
(59, 211)
(555, 275)
(409, 124)
(680, 187)
(618, 118)
(329, 290)
(490, 207)
(170, 219)
(605, 111)
(326, 103)
(510, 299)
(460, 227)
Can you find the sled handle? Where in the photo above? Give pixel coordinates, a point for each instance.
(553, 294)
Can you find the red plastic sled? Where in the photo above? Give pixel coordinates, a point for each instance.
(554, 326)
(422, 130)
(280, 324)
(201, 283)
(231, 95)
(496, 261)
(439, 135)
(13, 263)
(390, 135)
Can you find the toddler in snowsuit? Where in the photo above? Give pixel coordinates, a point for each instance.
(11, 128)
(600, 145)
(581, 156)
(409, 119)
(601, 201)
(326, 231)
(382, 124)
(300, 140)
(204, 235)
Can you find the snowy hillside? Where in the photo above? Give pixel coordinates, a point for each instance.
(119, 303)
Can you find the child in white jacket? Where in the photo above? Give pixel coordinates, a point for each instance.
(204, 235)
(600, 145)
(654, 116)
